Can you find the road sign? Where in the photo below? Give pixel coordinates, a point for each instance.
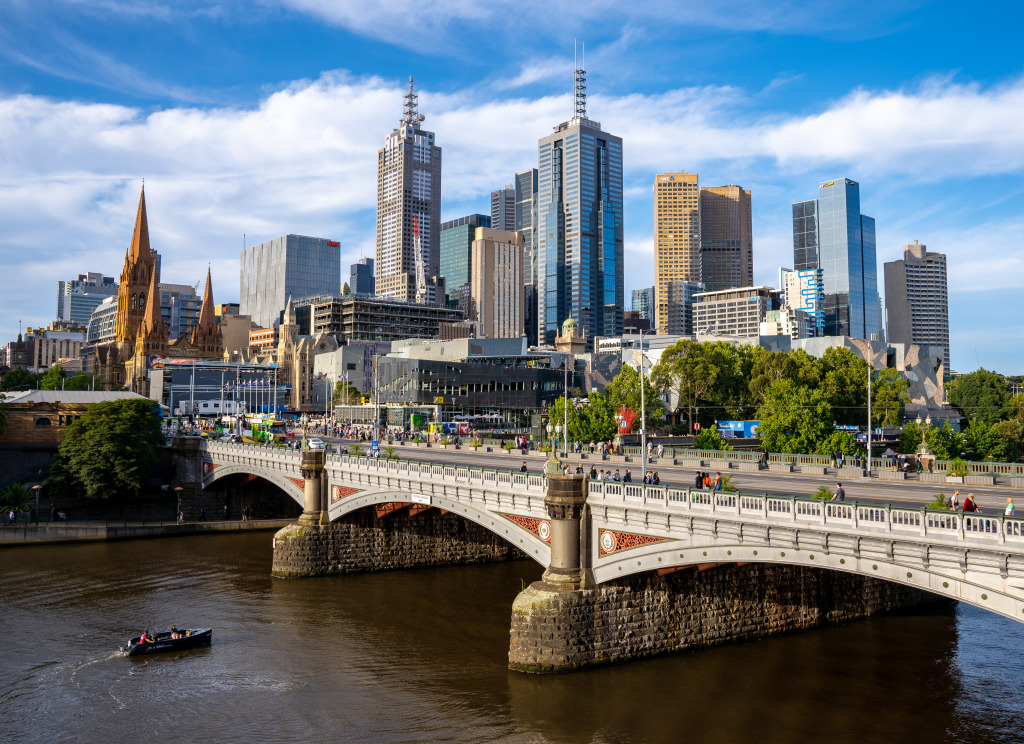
(375, 445)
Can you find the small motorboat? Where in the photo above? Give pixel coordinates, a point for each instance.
(169, 641)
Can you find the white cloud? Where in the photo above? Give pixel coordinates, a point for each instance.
(304, 161)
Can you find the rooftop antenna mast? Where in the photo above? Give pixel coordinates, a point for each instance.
(412, 101)
(580, 80)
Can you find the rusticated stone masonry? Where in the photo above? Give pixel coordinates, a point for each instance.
(645, 615)
(360, 542)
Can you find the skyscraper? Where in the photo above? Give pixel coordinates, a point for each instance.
(804, 291)
(77, 298)
(503, 208)
(643, 302)
(677, 254)
(456, 263)
(409, 211)
(917, 299)
(830, 233)
(580, 226)
(526, 219)
(292, 266)
(726, 238)
(496, 283)
(361, 280)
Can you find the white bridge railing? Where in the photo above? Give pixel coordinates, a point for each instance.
(868, 519)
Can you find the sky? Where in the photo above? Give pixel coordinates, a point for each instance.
(250, 120)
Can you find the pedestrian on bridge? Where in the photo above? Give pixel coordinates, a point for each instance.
(954, 500)
(969, 505)
(698, 480)
(523, 468)
(840, 494)
(1009, 508)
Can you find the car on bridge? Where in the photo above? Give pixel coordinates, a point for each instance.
(315, 443)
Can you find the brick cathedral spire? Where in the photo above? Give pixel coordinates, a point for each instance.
(139, 268)
(206, 336)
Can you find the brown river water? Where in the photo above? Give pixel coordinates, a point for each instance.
(420, 656)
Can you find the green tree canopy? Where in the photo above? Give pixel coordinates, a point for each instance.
(945, 443)
(593, 421)
(709, 438)
(981, 396)
(345, 392)
(110, 450)
(794, 419)
(910, 437)
(20, 379)
(624, 390)
(889, 396)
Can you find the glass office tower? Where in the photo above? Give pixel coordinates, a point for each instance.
(830, 233)
(579, 227)
(292, 266)
(526, 219)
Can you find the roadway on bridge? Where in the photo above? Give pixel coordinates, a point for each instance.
(991, 499)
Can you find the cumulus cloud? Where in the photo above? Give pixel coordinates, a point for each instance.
(303, 161)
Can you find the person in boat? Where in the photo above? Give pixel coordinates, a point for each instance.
(145, 637)
(174, 632)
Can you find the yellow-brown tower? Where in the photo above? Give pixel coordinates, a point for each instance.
(139, 268)
(152, 337)
(206, 336)
(676, 238)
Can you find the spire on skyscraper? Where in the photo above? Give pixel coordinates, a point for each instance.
(412, 114)
(581, 81)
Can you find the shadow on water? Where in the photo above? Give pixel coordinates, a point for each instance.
(421, 656)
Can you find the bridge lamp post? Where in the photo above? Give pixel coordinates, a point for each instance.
(37, 488)
(177, 517)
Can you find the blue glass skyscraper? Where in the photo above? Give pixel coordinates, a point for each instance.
(579, 263)
(830, 233)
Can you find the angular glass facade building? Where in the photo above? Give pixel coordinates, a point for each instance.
(579, 260)
(456, 264)
(294, 266)
(831, 234)
(526, 220)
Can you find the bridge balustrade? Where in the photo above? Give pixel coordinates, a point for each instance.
(838, 511)
(808, 509)
(725, 501)
(779, 506)
(677, 496)
(905, 518)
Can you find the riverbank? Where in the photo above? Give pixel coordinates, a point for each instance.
(112, 529)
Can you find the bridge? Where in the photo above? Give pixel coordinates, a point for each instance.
(588, 534)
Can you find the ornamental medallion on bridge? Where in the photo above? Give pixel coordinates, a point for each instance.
(613, 542)
(539, 527)
(340, 492)
(299, 482)
(208, 467)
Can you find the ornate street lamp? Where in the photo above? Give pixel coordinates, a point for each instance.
(178, 517)
(37, 488)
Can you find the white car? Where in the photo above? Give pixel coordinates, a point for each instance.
(315, 443)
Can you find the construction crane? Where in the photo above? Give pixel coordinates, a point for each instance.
(421, 273)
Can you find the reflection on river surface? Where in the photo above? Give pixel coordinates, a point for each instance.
(420, 656)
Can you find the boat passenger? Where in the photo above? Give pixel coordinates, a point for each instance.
(145, 637)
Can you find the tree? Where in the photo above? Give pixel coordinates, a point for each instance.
(981, 396)
(845, 384)
(17, 497)
(889, 396)
(110, 450)
(910, 437)
(52, 378)
(710, 439)
(1012, 433)
(624, 390)
(80, 382)
(345, 393)
(945, 443)
(687, 367)
(594, 421)
(840, 441)
(20, 379)
(768, 367)
(794, 419)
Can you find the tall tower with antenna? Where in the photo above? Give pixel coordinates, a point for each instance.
(409, 210)
(579, 253)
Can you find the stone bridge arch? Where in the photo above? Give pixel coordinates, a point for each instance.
(291, 487)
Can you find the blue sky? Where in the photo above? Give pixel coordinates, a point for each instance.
(263, 118)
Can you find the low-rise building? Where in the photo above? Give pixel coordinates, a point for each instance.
(42, 416)
(733, 312)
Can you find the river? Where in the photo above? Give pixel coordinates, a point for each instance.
(420, 656)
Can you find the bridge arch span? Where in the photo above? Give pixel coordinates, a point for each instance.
(515, 531)
(978, 589)
(287, 485)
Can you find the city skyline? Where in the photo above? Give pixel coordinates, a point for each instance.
(261, 150)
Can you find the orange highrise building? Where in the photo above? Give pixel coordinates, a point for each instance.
(677, 254)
